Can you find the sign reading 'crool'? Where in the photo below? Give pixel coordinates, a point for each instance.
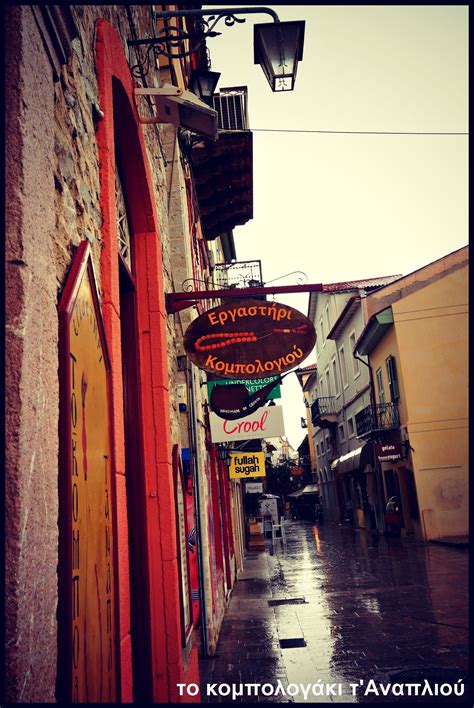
(249, 339)
(264, 423)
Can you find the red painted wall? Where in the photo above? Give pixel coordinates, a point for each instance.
(115, 84)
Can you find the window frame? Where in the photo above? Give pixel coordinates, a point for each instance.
(380, 386)
(336, 377)
(350, 421)
(355, 362)
(343, 366)
(342, 438)
(327, 374)
(392, 377)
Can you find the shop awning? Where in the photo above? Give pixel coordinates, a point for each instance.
(354, 460)
(311, 489)
(296, 494)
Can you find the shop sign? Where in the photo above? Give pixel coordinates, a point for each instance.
(87, 555)
(254, 487)
(269, 508)
(388, 452)
(252, 385)
(246, 464)
(249, 339)
(234, 401)
(264, 423)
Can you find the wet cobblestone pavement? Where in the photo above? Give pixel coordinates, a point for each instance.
(372, 607)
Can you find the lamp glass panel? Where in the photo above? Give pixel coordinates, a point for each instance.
(278, 47)
(203, 83)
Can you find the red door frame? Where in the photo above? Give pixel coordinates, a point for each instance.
(216, 504)
(227, 520)
(116, 86)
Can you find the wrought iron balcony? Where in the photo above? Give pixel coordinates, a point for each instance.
(375, 419)
(240, 274)
(323, 412)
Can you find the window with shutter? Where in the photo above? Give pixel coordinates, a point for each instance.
(378, 375)
(392, 378)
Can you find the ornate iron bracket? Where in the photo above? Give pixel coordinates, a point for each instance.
(181, 301)
(170, 40)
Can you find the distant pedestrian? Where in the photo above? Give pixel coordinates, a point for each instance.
(393, 519)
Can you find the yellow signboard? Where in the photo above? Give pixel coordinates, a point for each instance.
(247, 464)
(87, 601)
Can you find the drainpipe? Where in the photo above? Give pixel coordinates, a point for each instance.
(371, 375)
(197, 477)
(376, 464)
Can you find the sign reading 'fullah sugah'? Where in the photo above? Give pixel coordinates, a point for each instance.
(249, 339)
(247, 464)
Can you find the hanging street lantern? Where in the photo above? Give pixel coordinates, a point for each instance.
(203, 83)
(278, 47)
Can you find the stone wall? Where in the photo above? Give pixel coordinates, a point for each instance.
(32, 367)
(52, 197)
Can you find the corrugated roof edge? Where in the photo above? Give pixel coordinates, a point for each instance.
(347, 286)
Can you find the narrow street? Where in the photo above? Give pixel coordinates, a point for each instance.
(364, 608)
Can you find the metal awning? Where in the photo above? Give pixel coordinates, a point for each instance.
(296, 494)
(374, 331)
(354, 460)
(311, 489)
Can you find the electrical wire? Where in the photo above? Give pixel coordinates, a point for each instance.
(427, 309)
(351, 132)
(438, 430)
(430, 317)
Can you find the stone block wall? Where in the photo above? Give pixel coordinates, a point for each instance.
(53, 203)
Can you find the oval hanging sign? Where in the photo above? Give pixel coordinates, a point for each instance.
(249, 339)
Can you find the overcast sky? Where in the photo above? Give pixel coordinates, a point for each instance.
(349, 206)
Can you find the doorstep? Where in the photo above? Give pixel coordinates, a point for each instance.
(458, 541)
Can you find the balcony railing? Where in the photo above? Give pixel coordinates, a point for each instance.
(323, 411)
(373, 419)
(231, 107)
(240, 274)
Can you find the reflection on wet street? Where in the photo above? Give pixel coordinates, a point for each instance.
(351, 608)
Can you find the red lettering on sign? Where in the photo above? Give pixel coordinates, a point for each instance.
(245, 425)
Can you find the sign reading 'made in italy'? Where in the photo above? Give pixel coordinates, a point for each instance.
(249, 339)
